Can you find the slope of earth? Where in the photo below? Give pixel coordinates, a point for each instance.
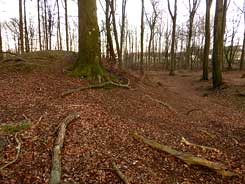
(103, 134)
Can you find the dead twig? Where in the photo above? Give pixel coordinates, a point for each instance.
(94, 86)
(162, 103)
(55, 176)
(119, 173)
(186, 142)
(186, 157)
(18, 148)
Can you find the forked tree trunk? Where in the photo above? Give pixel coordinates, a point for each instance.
(218, 45)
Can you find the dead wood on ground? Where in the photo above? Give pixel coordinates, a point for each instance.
(187, 158)
(55, 177)
(162, 103)
(18, 148)
(119, 173)
(186, 142)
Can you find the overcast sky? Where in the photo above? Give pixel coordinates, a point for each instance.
(9, 9)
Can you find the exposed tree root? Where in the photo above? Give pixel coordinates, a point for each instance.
(17, 155)
(55, 177)
(186, 142)
(192, 110)
(187, 158)
(119, 173)
(95, 86)
(162, 103)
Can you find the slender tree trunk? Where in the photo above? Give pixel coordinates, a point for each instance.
(218, 45)
(174, 17)
(27, 45)
(110, 46)
(66, 26)
(39, 25)
(46, 24)
(21, 38)
(207, 41)
(1, 43)
(112, 4)
(124, 4)
(142, 38)
(242, 56)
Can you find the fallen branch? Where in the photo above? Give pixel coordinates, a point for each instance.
(186, 142)
(187, 158)
(119, 173)
(94, 86)
(55, 176)
(208, 134)
(161, 102)
(17, 155)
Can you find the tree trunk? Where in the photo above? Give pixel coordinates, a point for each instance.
(242, 56)
(21, 37)
(39, 25)
(59, 39)
(115, 31)
(89, 62)
(172, 54)
(207, 41)
(26, 30)
(66, 25)
(46, 24)
(1, 43)
(110, 46)
(142, 38)
(218, 45)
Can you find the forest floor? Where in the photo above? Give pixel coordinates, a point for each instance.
(108, 117)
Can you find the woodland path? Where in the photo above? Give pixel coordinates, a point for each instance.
(102, 135)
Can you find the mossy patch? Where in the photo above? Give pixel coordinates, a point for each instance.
(89, 71)
(12, 128)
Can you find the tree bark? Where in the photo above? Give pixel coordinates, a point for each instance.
(1, 43)
(142, 38)
(46, 24)
(39, 25)
(172, 54)
(59, 39)
(218, 45)
(21, 37)
(89, 62)
(66, 26)
(242, 56)
(27, 45)
(207, 40)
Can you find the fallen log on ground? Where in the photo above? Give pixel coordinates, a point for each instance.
(55, 177)
(186, 142)
(162, 103)
(119, 173)
(94, 86)
(187, 158)
(17, 155)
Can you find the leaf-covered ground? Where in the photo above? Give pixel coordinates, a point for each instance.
(103, 134)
